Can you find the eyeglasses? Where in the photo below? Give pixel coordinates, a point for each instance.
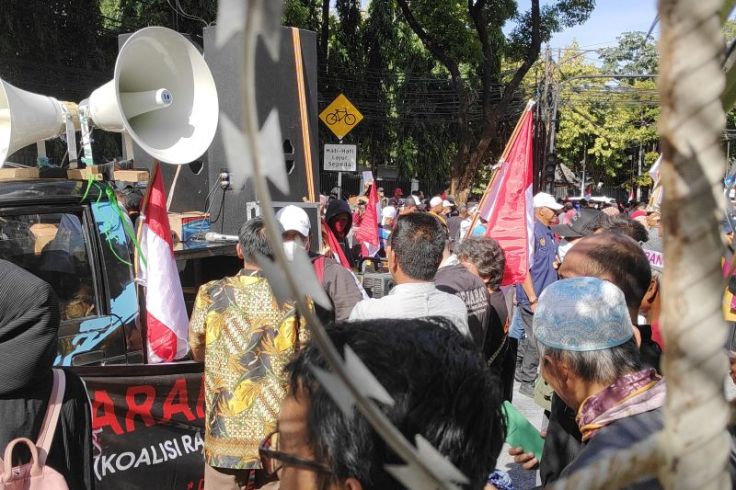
(274, 460)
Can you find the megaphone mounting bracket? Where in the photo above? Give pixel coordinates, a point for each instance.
(86, 129)
(128, 152)
(71, 118)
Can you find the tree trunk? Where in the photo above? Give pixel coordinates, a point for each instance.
(325, 31)
(471, 156)
(695, 442)
(471, 151)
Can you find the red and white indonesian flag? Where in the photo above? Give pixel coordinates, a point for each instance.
(167, 323)
(367, 232)
(507, 205)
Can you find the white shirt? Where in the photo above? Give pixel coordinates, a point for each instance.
(414, 300)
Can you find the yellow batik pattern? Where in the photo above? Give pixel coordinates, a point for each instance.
(249, 339)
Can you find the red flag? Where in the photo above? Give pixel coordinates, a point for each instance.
(367, 232)
(508, 207)
(167, 323)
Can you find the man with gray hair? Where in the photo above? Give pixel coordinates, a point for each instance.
(245, 336)
(590, 358)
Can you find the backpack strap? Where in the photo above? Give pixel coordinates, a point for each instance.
(50, 420)
(319, 268)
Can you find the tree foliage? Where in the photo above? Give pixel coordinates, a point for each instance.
(608, 123)
(467, 40)
(440, 82)
(633, 54)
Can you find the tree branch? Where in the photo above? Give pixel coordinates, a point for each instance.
(531, 56)
(434, 47)
(490, 58)
(325, 30)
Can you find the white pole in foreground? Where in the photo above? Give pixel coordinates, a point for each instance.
(693, 448)
(694, 444)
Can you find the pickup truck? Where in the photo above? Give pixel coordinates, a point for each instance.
(147, 419)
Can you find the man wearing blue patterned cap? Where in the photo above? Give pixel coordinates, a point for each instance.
(590, 358)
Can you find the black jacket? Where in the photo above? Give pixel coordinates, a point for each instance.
(334, 208)
(29, 325)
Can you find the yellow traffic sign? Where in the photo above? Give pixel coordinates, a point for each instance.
(341, 116)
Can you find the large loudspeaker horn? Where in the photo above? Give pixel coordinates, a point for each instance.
(26, 118)
(163, 95)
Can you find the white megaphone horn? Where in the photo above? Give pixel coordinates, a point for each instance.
(27, 118)
(162, 95)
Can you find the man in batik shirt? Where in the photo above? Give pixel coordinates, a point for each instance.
(245, 338)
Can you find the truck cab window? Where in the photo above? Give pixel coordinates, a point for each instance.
(52, 246)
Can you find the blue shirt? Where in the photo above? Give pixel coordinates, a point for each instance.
(543, 270)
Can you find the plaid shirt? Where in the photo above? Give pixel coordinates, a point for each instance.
(246, 338)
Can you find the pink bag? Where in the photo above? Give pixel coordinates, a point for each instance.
(36, 475)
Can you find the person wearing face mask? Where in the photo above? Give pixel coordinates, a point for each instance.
(339, 283)
(339, 219)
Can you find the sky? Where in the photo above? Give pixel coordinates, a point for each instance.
(609, 19)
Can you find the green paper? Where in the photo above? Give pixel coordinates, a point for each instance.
(521, 433)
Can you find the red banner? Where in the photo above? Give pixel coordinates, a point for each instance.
(508, 207)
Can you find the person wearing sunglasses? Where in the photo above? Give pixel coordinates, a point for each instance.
(441, 389)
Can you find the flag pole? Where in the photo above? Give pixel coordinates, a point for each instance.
(491, 181)
(139, 225)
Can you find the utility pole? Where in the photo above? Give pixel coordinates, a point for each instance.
(557, 89)
(638, 180)
(551, 98)
(585, 160)
(545, 111)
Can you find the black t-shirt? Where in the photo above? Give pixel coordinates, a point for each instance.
(457, 280)
(497, 320)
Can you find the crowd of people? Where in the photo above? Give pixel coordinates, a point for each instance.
(448, 343)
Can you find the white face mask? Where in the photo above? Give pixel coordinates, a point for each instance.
(290, 246)
(563, 248)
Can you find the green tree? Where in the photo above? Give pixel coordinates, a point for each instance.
(609, 124)
(467, 41)
(634, 54)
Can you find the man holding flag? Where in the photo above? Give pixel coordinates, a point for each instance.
(368, 232)
(541, 274)
(520, 222)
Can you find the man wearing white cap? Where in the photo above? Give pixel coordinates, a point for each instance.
(340, 284)
(435, 205)
(388, 215)
(542, 273)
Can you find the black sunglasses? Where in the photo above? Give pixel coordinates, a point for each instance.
(269, 456)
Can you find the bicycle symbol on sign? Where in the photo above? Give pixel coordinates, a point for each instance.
(340, 115)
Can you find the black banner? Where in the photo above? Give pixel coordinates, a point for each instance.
(147, 426)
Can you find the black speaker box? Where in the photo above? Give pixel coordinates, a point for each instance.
(276, 86)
